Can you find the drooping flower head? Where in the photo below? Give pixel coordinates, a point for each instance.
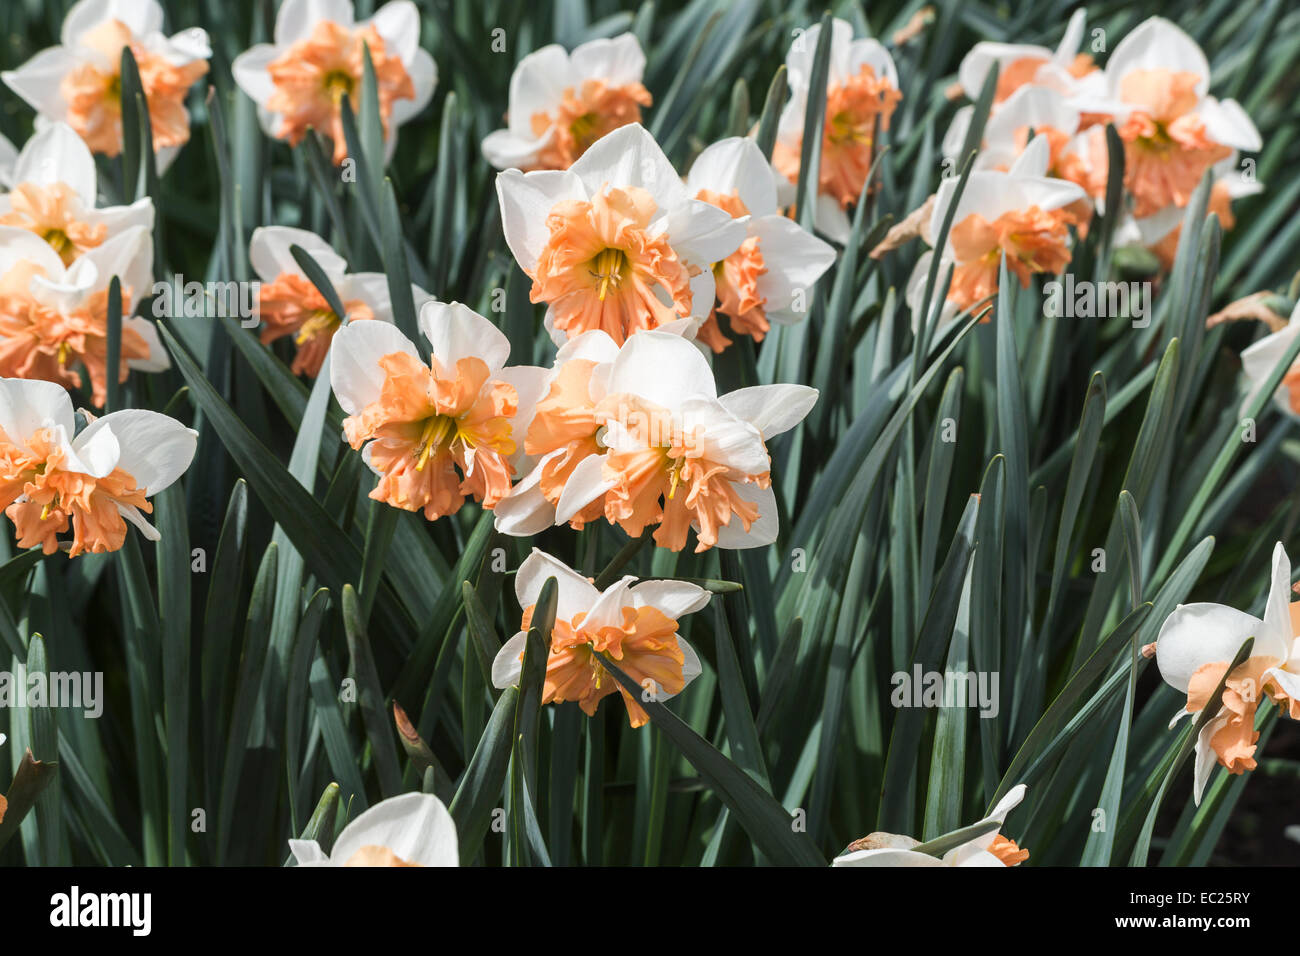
(413, 829)
(561, 103)
(1173, 131)
(289, 303)
(988, 849)
(861, 88)
(54, 318)
(1194, 650)
(616, 242)
(669, 452)
(93, 483)
(53, 196)
(636, 625)
(78, 82)
(434, 433)
(318, 56)
(1021, 212)
(770, 277)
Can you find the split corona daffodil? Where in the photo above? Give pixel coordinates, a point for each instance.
(770, 277)
(94, 482)
(289, 303)
(78, 82)
(434, 433)
(299, 81)
(561, 103)
(635, 624)
(616, 242)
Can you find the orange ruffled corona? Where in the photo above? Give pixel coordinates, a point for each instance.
(583, 116)
(45, 211)
(645, 647)
(851, 111)
(600, 267)
(37, 342)
(292, 305)
(566, 419)
(312, 76)
(1034, 240)
(431, 422)
(94, 95)
(668, 481)
(736, 279)
(57, 496)
(1166, 149)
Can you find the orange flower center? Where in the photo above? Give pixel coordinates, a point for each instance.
(584, 116)
(436, 436)
(1034, 240)
(376, 856)
(851, 112)
(645, 646)
(601, 268)
(668, 481)
(312, 76)
(291, 304)
(94, 96)
(38, 342)
(49, 212)
(1007, 851)
(1166, 148)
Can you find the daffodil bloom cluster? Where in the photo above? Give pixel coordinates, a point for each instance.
(78, 82)
(1194, 650)
(635, 624)
(93, 482)
(640, 436)
(318, 57)
(988, 849)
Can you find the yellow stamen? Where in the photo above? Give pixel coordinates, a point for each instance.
(608, 268)
(64, 351)
(337, 83)
(435, 430)
(321, 320)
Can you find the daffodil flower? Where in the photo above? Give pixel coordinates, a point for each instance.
(862, 86)
(989, 849)
(54, 317)
(413, 829)
(78, 81)
(434, 433)
(635, 624)
(616, 242)
(561, 103)
(1194, 649)
(770, 277)
(1065, 69)
(318, 56)
(96, 481)
(675, 454)
(53, 186)
(1173, 132)
(289, 303)
(1022, 212)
